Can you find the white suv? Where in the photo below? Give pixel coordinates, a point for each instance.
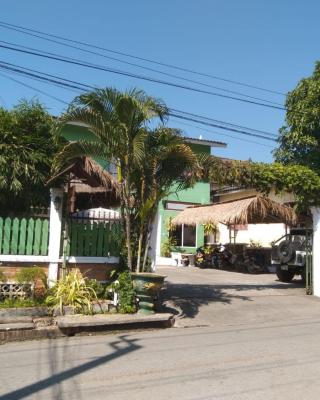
(289, 253)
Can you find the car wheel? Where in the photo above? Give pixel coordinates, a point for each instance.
(285, 251)
(253, 268)
(283, 275)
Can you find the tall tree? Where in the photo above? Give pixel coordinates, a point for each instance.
(168, 165)
(299, 141)
(27, 148)
(119, 121)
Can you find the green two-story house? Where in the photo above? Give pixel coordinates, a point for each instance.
(186, 238)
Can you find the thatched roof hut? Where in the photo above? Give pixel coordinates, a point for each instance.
(90, 173)
(251, 210)
(87, 185)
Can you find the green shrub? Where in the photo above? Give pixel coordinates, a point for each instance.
(72, 290)
(127, 298)
(3, 278)
(32, 275)
(98, 287)
(18, 303)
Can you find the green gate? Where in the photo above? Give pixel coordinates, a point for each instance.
(91, 237)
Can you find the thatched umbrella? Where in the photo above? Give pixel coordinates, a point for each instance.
(252, 210)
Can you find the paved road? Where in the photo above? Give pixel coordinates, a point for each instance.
(255, 355)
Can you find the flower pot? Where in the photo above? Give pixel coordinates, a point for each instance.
(147, 287)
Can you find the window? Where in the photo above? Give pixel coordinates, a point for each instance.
(184, 235)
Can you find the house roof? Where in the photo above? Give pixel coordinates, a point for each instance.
(251, 210)
(211, 143)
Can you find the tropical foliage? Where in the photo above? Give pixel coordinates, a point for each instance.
(302, 181)
(72, 290)
(27, 147)
(31, 275)
(127, 297)
(299, 141)
(149, 160)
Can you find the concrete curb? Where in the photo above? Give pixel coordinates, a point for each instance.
(71, 325)
(32, 334)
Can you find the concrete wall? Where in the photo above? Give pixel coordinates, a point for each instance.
(264, 234)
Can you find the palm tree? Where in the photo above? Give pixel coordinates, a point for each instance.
(119, 122)
(168, 165)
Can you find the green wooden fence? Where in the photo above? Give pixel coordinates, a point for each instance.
(24, 236)
(93, 239)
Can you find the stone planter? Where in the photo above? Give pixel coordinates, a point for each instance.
(147, 287)
(98, 307)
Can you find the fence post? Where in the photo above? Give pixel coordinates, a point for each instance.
(56, 200)
(316, 250)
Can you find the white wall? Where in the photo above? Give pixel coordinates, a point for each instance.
(263, 233)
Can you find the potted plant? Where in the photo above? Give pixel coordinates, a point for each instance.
(147, 286)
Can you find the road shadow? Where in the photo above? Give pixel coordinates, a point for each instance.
(185, 300)
(120, 347)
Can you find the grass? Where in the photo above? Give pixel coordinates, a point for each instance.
(21, 303)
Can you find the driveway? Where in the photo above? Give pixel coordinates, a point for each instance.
(209, 297)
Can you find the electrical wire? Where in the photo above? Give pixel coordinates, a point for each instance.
(26, 30)
(222, 127)
(223, 122)
(82, 87)
(33, 88)
(82, 63)
(222, 134)
(137, 65)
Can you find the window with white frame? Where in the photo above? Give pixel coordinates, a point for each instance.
(185, 235)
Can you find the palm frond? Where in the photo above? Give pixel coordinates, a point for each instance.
(80, 149)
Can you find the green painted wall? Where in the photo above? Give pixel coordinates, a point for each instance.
(199, 193)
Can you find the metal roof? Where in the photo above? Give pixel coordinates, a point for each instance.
(211, 143)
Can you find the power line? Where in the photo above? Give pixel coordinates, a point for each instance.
(135, 65)
(85, 86)
(33, 88)
(222, 127)
(183, 123)
(222, 122)
(222, 134)
(80, 86)
(41, 77)
(82, 63)
(12, 26)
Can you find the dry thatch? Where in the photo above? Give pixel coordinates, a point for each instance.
(252, 210)
(90, 173)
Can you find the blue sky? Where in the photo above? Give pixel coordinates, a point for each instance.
(271, 44)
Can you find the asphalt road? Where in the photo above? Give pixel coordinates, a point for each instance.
(262, 355)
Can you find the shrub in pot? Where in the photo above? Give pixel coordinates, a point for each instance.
(147, 287)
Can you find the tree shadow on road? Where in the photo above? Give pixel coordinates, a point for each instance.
(185, 299)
